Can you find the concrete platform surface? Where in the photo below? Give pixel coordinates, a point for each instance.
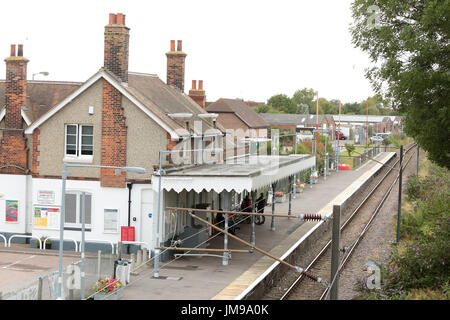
(204, 277)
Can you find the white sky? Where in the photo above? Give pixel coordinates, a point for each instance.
(240, 49)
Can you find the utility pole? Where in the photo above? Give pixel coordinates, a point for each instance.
(417, 168)
(83, 228)
(335, 245)
(399, 214)
(367, 122)
(317, 119)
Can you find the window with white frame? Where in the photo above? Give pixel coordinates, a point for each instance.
(73, 209)
(79, 140)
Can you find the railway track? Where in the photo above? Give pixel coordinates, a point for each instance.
(356, 226)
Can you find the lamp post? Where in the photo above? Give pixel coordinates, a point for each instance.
(44, 73)
(62, 218)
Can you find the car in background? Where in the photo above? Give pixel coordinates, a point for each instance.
(339, 135)
(376, 139)
(383, 135)
(305, 135)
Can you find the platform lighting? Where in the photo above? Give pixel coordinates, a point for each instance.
(44, 73)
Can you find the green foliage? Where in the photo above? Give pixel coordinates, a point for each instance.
(351, 108)
(304, 100)
(408, 45)
(263, 108)
(352, 134)
(398, 139)
(420, 269)
(350, 148)
(283, 103)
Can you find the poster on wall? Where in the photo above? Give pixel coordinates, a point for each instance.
(46, 196)
(45, 217)
(111, 222)
(12, 210)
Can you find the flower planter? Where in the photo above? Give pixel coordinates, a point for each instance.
(298, 190)
(113, 295)
(46, 245)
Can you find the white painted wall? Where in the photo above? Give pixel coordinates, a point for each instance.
(13, 187)
(102, 198)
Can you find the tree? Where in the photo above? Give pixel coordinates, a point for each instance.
(304, 99)
(263, 108)
(283, 103)
(407, 42)
(350, 108)
(350, 148)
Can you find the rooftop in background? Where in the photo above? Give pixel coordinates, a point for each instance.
(293, 119)
(42, 96)
(240, 109)
(253, 104)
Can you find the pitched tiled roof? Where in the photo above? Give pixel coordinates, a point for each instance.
(163, 99)
(282, 118)
(240, 109)
(42, 96)
(152, 93)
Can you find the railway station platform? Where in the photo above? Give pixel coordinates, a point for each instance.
(204, 277)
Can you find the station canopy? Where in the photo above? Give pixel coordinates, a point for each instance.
(239, 174)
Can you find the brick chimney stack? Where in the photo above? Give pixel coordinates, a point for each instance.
(175, 65)
(198, 95)
(114, 129)
(117, 37)
(13, 153)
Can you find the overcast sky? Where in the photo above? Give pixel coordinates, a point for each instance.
(240, 49)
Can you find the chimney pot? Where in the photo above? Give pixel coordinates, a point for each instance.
(20, 50)
(116, 46)
(172, 45)
(200, 84)
(179, 46)
(112, 18)
(13, 50)
(194, 84)
(120, 19)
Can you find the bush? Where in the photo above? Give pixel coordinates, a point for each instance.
(413, 189)
(350, 148)
(421, 268)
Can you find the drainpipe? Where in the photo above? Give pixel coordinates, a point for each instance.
(130, 186)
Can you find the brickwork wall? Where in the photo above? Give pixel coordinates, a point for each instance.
(36, 152)
(13, 149)
(114, 137)
(176, 66)
(117, 46)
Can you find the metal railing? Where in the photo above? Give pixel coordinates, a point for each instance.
(24, 236)
(98, 241)
(54, 238)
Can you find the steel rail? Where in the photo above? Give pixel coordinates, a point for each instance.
(363, 232)
(326, 246)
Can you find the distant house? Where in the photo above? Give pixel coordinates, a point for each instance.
(253, 104)
(297, 123)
